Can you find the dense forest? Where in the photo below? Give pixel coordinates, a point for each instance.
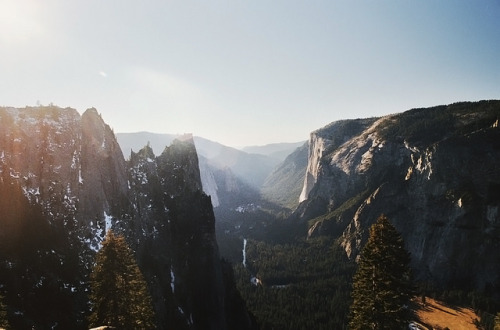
(296, 285)
(299, 283)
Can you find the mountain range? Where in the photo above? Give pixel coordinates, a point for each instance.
(433, 171)
(183, 201)
(220, 166)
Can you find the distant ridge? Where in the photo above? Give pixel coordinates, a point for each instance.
(253, 168)
(275, 150)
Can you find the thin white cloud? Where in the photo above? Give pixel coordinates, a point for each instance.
(103, 74)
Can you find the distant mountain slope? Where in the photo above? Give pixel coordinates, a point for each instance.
(250, 168)
(435, 172)
(275, 150)
(284, 185)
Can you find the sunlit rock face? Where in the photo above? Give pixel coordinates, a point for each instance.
(64, 182)
(434, 172)
(69, 164)
(325, 141)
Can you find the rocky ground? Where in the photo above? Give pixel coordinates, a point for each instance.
(434, 314)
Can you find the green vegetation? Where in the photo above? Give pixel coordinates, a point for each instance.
(348, 206)
(381, 285)
(430, 125)
(119, 295)
(304, 284)
(284, 185)
(338, 132)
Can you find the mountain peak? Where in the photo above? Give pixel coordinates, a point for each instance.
(186, 137)
(91, 111)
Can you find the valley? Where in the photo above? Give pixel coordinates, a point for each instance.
(270, 215)
(264, 237)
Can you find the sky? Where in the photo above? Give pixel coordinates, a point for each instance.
(247, 72)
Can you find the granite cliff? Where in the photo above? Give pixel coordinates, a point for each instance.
(433, 172)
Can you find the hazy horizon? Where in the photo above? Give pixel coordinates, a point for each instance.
(246, 73)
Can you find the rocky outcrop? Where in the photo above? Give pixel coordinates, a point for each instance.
(176, 242)
(64, 176)
(323, 142)
(67, 183)
(433, 172)
(103, 169)
(70, 165)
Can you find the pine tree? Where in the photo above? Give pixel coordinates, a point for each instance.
(119, 295)
(381, 285)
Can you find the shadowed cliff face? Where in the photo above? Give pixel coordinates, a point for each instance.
(68, 183)
(176, 244)
(433, 172)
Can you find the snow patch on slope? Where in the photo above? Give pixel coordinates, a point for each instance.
(107, 221)
(172, 279)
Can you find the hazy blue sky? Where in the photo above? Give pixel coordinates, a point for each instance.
(247, 72)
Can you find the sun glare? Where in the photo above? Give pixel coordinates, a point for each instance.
(19, 21)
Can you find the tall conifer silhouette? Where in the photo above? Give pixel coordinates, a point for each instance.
(381, 285)
(119, 295)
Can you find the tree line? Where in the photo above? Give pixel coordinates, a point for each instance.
(303, 287)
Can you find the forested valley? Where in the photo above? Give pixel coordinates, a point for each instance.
(299, 283)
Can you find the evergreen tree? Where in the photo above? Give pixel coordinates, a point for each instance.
(381, 285)
(4, 322)
(119, 295)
